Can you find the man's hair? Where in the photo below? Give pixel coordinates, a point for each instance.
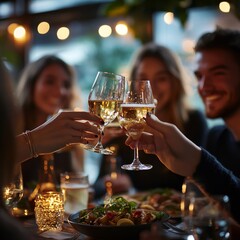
(225, 39)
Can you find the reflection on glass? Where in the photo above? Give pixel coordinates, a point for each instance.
(138, 101)
(104, 99)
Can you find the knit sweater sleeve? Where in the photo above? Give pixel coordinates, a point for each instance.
(216, 179)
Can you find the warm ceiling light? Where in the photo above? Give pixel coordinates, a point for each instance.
(105, 31)
(121, 28)
(224, 7)
(63, 33)
(43, 27)
(20, 33)
(168, 17)
(12, 27)
(188, 45)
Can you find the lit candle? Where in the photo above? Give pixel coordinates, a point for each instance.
(49, 211)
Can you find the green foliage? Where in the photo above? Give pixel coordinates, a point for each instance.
(143, 10)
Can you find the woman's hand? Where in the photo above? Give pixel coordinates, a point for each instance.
(63, 129)
(173, 149)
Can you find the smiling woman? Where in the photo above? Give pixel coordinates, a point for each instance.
(46, 86)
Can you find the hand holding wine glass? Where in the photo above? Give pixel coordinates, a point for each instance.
(105, 97)
(138, 101)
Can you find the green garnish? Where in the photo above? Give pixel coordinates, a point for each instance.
(119, 204)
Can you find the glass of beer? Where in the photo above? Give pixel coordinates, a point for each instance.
(74, 186)
(138, 101)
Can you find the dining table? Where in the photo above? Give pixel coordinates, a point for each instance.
(166, 232)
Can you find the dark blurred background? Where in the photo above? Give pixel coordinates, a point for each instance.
(84, 33)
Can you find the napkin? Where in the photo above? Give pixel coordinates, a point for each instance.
(58, 235)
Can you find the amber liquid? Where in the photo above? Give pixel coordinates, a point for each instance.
(106, 109)
(12, 195)
(131, 118)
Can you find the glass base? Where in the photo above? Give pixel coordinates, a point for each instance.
(136, 167)
(95, 149)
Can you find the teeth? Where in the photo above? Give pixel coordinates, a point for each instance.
(212, 97)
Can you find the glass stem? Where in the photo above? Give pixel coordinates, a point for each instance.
(99, 144)
(136, 156)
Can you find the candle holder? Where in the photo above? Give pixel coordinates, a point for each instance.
(49, 211)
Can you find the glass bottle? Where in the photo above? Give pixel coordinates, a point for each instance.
(47, 178)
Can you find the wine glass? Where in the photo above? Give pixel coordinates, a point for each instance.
(138, 101)
(13, 192)
(205, 217)
(104, 99)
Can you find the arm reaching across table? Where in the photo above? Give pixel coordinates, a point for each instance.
(66, 127)
(183, 157)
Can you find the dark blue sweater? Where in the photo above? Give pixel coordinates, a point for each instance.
(217, 179)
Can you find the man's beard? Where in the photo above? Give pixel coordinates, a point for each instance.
(226, 112)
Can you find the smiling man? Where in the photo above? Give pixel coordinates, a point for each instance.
(218, 74)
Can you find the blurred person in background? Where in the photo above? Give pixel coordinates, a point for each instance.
(168, 77)
(46, 86)
(218, 75)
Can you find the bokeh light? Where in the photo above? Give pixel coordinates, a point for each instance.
(43, 27)
(105, 31)
(121, 28)
(168, 17)
(20, 33)
(12, 27)
(224, 7)
(63, 33)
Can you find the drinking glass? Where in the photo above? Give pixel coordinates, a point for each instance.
(13, 192)
(138, 101)
(74, 186)
(105, 97)
(205, 217)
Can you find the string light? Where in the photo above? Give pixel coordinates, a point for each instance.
(121, 28)
(12, 27)
(43, 27)
(63, 33)
(224, 7)
(168, 17)
(20, 33)
(105, 31)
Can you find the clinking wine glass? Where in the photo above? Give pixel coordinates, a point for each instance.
(13, 192)
(105, 97)
(138, 101)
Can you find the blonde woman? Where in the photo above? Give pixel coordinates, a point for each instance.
(167, 76)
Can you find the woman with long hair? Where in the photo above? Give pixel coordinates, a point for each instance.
(46, 86)
(168, 79)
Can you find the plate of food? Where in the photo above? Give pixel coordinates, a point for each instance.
(159, 199)
(119, 218)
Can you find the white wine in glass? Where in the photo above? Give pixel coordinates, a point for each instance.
(137, 103)
(104, 100)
